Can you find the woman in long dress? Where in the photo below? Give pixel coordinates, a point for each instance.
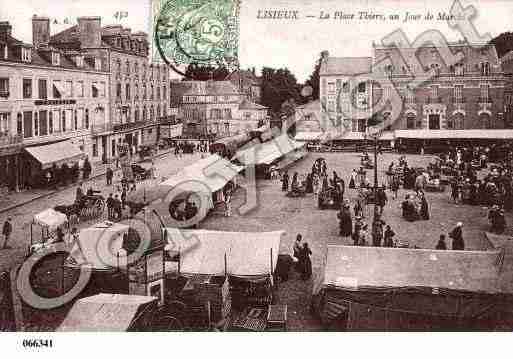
(346, 223)
(306, 263)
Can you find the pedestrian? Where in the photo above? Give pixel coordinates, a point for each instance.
(306, 262)
(345, 221)
(117, 208)
(363, 235)
(109, 174)
(59, 234)
(228, 204)
(441, 245)
(110, 206)
(75, 235)
(357, 228)
(6, 232)
(123, 198)
(296, 250)
(86, 169)
(395, 186)
(424, 208)
(381, 200)
(458, 244)
(389, 237)
(352, 179)
(377, 232)
(79, 194)
(285, 182)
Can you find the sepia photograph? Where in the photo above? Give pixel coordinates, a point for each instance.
(247, 166)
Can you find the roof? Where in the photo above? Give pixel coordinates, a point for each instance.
(507, 57)
(247, 253)
(347, 267)
(248, 105)
(68, 35)
(106, 312)
(57, 153)
(268, 152)
(50, 218)
(215, 88)
(245, 75)
(346, 65)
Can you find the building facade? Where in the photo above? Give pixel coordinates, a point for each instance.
(139, 90)
(345, 96)
(218, 109)
(248, 83)
(47, 95)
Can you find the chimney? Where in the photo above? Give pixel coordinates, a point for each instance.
(40, 31)
(5, 30)
(90, 31)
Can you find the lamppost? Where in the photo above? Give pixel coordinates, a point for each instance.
(374, 131)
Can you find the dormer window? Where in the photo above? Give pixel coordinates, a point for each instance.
(26, 55)
(97, 64)
(56, 59)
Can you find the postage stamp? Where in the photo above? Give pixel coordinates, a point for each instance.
(203, 32)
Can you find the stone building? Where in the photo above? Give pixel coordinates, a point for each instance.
(138, 89)
(47, 96)
(216, 109)
(248, 83)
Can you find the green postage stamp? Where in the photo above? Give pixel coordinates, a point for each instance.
(203, 32)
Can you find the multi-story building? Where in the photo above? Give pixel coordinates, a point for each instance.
(345, 97)
(248, 83)
(217, 109)
(47, 95)
(138, 89)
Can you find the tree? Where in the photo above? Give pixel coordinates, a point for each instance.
(204, 73)
(278, 86)
(314, 79)
(503, 43)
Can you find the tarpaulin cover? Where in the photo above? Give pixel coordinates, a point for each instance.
(247, 253)
(57, 153)
(268, 152)
(107, 313)
(99, 245)
(355, 267)
(50, 218)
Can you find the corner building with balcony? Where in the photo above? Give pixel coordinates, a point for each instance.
(47, 95)
(138, 89)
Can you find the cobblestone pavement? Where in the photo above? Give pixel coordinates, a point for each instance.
(22, 216)
(320, 227)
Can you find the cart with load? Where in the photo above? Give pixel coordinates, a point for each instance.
(50, 223)
(140, 173)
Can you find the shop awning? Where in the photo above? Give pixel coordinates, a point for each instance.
(246, 253)
(309, 136)
(268, 152)
(499, 134)
(50, 218)
(347, 267)
(57, 153)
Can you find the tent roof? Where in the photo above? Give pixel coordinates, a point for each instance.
(105, 312)
(57, 153)
(247, 253)
(50, 218)
(356, 267)
(268, 152)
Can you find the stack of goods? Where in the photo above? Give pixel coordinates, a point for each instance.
(251, 293)
(215, 290)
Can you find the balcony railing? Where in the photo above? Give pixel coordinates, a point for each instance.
(9, 140)
(484, 100)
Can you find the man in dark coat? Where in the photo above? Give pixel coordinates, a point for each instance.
(345, 221)
(424, 208)
(109, 175)
(381, 199)
(285, 182)
(458, 244)
(441, 245)
(6, 232)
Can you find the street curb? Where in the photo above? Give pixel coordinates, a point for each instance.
(14, 206)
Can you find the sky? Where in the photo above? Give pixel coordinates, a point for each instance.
(292, 43)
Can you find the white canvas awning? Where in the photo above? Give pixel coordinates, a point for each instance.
(309, 136)
(499, 134)
(247, 254)
(268, 152)
(50, 218)
(57, 153)
(98, 247)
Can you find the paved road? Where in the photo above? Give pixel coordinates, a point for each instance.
(22, 216)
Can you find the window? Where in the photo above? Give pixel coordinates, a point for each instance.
(27, 88)
(434, 91)
(361, 87)
(95, 149)
(36, 125)
(56, 59)
(79, 61)
(97, 64)
(458, 93)
(79, 88)
(19, 124)
(118, 90)
(102, 89)
(4, 123)
(68, 89)
(27, 124)
(43, 124)
(387, 92)
(485, 68)
(485, 92)
(323, 85)
(26, 54)
(63, 121)
(57, 89)
(158, 93)
(331, 87)
(50, 122)
(345, 87)
(127, 91)
(459, 69)
(227, 113)
(434, 121)
(127, 67)
(94, 89)
(6, 52)
(151, 93)
(4, 87)
(86, 122)
(80, 118)
(331, 106)
(43, 90)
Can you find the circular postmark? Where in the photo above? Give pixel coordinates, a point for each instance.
(201, 32)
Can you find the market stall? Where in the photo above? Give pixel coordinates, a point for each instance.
(407, 289)
(45, 227)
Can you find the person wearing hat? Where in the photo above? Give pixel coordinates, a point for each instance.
(358, 224)
(458, 244)
(345, 221)
(377, 232)
(441, 245)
